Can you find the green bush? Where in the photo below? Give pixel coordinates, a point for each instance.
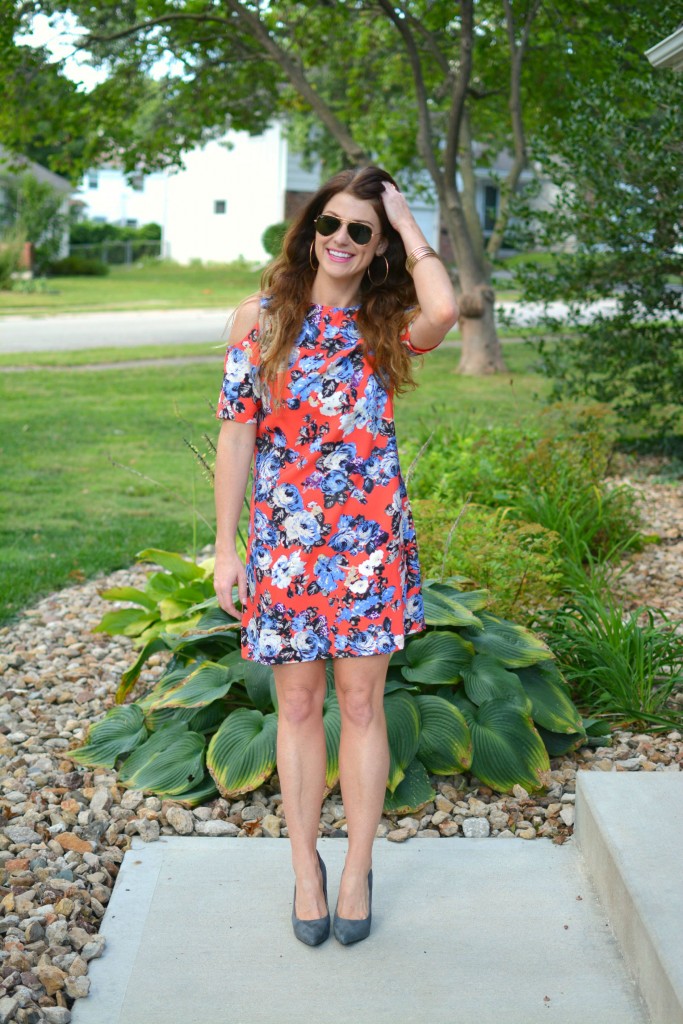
(12, 244)
(550, 473)
(78, 266)
(273, 237)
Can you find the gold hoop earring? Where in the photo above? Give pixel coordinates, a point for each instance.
(378, 284)
(310, 256)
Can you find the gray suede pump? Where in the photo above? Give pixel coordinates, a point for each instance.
(346, 930)
(316, 931)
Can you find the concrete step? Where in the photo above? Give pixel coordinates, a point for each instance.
(464, 930)
(629, 830)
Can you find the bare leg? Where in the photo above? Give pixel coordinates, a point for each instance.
(363, 768)
(301, 761)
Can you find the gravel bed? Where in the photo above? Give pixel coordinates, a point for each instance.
(64, 829)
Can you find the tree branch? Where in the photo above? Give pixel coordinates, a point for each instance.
(460, 87)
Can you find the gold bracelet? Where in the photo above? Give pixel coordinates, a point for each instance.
(421, 253)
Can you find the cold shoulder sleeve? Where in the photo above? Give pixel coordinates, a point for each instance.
(241, 395)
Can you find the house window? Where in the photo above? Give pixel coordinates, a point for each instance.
(219, 206)
(92, 179)
(490, 207)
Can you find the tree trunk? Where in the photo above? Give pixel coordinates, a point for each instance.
(481, 353)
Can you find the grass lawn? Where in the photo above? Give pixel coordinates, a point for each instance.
(139, 286)
(67, 512)
(156, 285)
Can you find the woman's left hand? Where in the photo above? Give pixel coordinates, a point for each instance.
(396, 207)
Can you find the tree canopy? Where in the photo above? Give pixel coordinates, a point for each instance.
(431, 89)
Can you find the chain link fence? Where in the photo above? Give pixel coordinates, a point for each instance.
(115, 251)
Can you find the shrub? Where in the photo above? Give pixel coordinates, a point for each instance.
(273, 237)
(78, 266)
(11, 248)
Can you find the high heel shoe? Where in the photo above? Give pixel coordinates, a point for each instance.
(316, 931)
(347, 930)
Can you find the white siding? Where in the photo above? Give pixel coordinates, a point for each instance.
(250, 179)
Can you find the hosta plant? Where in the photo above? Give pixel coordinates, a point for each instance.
(473, 693)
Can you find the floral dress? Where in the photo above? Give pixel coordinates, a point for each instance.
(332, 565)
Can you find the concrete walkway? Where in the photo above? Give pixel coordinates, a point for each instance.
(479, 930)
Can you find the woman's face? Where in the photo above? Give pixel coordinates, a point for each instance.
(338, 255)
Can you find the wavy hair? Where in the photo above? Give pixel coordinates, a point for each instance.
(385, 309)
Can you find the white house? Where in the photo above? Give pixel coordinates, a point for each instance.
(218, 205)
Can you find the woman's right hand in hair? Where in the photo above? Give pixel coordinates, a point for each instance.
(228, 571)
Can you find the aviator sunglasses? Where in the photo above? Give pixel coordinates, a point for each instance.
(326, 225)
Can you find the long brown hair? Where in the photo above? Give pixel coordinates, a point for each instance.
(383, 313)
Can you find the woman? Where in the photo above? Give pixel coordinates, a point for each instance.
(332, 567)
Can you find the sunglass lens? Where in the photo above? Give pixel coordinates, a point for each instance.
(326, 225)
(360, 233)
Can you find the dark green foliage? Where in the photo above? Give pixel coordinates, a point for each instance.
(618, 168)
(34, 208)
(77, 266)
(273, 237)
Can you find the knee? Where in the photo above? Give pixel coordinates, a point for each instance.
(298, 705)
(357, 708)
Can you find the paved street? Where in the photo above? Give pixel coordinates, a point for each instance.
(112, 330)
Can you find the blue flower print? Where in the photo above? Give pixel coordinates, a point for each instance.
(329, 572)
(287, 496)
(303, 528)
(264, 531)
(286, 568)
(310, 645)
(356, 534)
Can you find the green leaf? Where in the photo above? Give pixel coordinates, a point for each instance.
(128, 621)
(486, 678)
(442, 610)
(205, 683)
(130, 594)
(506, 748)
(175, 564)
(131, 675)
(121, 729)
(560, 743)
(403, 731)
(258, 681)
(445, 745)
(332, 726)
(551, 705)
(169, 762)
(160, 585)
(171, 608)
(474, 600)
(207, 719)
(241, 754)
(412, 793)
(437, 658)
(513, 645)
(200, 793)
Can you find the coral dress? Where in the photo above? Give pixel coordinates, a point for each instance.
(332, 566)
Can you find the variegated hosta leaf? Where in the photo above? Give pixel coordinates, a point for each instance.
(506, 748)
(557, 743)
(445, 610)
(486, 678)
(126, 621)
(445, 745)
(332, 726)
(437, 658)
(169, 762)
(207, 719)
(198, 794)
(206, 683)
(259, 682)
(412, 793)
(513, 645)
(168, 681)
(180, 567)
(475, 600)
(241, 754)
(403, 730)
(121, 730)
(130, 594)
(551, 705)
(131, 675)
